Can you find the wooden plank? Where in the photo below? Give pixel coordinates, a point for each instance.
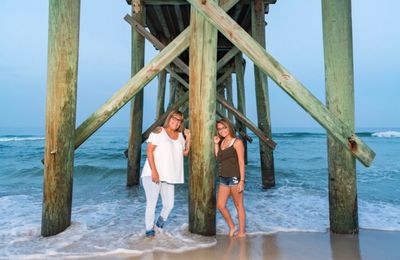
(224, 76)
(179, 17)
(227, 58)
(132, 87)
(339, 81)
(285, 80)
(262, 99)
(157, 43)
(62, 73)
(162, 22)
(202, 81)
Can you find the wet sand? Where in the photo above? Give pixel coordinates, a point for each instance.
(369, 244)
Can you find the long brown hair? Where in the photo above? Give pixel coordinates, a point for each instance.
(225, 122)
(178, 113)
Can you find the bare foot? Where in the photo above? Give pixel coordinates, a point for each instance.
(241, 234)
(232, 231)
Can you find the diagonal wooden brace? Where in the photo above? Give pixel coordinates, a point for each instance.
(132, 87)
(136, 83)
(266, 63)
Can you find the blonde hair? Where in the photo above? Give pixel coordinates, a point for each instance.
(178, 113)
(227, 124)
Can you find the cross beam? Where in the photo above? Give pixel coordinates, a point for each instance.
(283, 78)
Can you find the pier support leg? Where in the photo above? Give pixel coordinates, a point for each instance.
(173, 85)
(241, 99)
(229, 95)
(263, 112)
(338, 51)
(161, 93)
(61, 90)
(136, 115)
(202, 104)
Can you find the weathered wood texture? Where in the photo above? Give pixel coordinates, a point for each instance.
(132, 87)
(241, 98)
(173, 83)
(202, 93)
(136, 113)
(162, 78)
(284, 79)
(227, 58)
(338, 51)
(262, 99)
(62, 72)
(136, 83)
(229, 94)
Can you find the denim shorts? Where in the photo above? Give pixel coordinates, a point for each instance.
(229, 181)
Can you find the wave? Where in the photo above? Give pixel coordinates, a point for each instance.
(18, 138)
(387, 134)
(298, 134)
(384, 134)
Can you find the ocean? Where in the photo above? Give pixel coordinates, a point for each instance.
(108, 217)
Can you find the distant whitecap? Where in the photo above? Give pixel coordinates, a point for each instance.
(387, 134)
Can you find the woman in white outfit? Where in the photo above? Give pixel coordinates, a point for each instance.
(164, 168)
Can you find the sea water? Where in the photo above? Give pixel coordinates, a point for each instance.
(108, 217)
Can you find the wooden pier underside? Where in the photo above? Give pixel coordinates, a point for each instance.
(167, 19)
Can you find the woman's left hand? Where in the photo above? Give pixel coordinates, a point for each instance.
(241, 186)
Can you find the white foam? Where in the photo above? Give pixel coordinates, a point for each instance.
(16, 139)
(387, 134)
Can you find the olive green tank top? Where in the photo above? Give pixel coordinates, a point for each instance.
(228, 163)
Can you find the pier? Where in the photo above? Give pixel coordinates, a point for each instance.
(201, 45)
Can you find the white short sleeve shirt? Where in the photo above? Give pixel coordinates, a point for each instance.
(168, 157)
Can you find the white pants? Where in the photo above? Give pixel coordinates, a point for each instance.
(152, 191)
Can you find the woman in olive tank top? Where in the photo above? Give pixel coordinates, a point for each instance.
(229, 151)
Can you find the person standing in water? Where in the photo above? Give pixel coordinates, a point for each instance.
(229, 152)
(163, 168)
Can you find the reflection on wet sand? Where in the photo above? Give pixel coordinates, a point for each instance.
(368, 244)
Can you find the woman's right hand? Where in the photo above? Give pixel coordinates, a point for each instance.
(217, 139)
(155, 177)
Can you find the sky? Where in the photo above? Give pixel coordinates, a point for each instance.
(294, 38)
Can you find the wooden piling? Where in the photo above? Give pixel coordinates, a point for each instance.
(338, 51)
(161, 93)
(136, 115)
(261, 84)
(285, 80)
(61, 90)
(172, 88)
(221, 92)
(229, 94)
(202, 103)
(241, 99)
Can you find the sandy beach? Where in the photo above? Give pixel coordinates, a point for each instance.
(369, 244)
